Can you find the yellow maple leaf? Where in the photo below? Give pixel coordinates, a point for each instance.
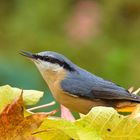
(13, 124)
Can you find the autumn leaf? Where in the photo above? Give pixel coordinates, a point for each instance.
(13, 124)
(137, 117)
(104, 123)
(101, 123)
(8, 94)
(57, 129)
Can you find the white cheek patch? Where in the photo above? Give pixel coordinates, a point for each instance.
(42, 65)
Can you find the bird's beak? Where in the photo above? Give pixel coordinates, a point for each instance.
(28, 54)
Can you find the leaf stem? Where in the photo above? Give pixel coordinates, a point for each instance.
(41, 106)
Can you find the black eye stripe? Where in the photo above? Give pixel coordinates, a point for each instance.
(55, 61)
(37, 56)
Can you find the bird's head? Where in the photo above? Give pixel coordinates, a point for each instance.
(50, 62)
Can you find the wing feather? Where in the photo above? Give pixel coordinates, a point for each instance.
(96, 88)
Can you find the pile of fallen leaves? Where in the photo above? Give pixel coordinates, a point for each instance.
(101, 123)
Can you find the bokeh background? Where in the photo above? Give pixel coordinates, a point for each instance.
(102, 36)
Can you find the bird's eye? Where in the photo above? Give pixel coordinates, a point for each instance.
(47, 58)
(41, 57)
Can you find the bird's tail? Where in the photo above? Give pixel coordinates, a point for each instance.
(134, 98)
(131, 104)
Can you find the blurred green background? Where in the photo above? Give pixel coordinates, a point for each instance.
(99, 35)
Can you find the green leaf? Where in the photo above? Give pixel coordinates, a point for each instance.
(104, 123)
(57, 129)
(8, 94)
(101, 123)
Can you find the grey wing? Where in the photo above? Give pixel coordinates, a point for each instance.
(97, 88)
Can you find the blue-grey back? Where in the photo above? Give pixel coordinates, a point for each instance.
(83, 83)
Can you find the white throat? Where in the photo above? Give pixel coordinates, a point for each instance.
(42, 65)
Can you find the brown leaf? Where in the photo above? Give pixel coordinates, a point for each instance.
(13, 124)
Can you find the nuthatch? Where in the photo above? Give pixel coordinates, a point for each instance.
(78, 89)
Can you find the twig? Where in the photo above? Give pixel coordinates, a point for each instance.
(136, 91)
(41, 106)
(131, 89)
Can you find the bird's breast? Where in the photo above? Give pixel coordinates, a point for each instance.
(72, 102)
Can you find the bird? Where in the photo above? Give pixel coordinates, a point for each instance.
(76, 88)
